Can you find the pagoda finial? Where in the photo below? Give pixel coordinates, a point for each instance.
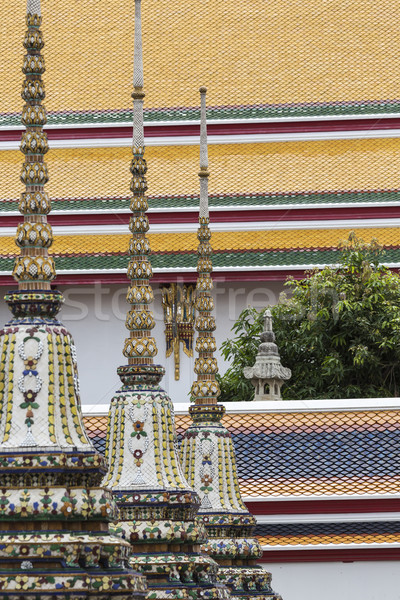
(33, 7)
(54, 521)
(34, 269)
(157, 505)
(138, 48)
(267, 374)
(140, 348)
(205, 390)
(207, 451)
(204, 173)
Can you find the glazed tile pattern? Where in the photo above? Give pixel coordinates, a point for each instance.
(266, 168)
(224, 242)
(279, 454)
(175, 251)
(225, 201)
(299, 75)
(317, 534)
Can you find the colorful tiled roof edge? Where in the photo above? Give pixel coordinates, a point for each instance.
(279, 454)
(306, 258)
(257, 111)
(288, 535)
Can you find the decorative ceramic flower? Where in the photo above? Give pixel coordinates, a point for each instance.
(206, 479)
(30, 396)
(30, 362)
(66, 509)
(22, 582)
(105, 584)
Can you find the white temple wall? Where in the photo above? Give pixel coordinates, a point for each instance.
(362, 580)
(95, 316)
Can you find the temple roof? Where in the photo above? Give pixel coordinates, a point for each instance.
(311, 56)
(321, 477)
(303, 150)
(305, 167)
(273, 214)
(300, 453)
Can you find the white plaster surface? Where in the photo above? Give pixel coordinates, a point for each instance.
(95, 316)
(362, 580)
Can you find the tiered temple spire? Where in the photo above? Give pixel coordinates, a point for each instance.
(54, 514)
(34, 269)
(207, 453)
(267, 374)
(157, 506)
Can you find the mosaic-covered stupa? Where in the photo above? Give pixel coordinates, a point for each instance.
(207, 455)
(54, 513)
(157, 506)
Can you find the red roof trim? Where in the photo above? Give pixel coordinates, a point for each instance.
(334, 555)
(82, 132)
(221, 216)
(293, 507)
(171, 277)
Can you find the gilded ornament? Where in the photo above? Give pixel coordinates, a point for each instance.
(205, 389)
(33, 20)
(33, 116)
(138, 184)
(138, 165)
(139, 204)
(206, 365)
(142, 347)
(139, 269)
(33, 91)
(139, 246)
(139, 319)
(204, 283)
(34, 173)
(34, 143)
(139, 224)
(33, 65)
(204, 265)
(204, 303)
(205, 323)
(140, 294)
(33, 40)
(34, 234)
(28, 268)
(206, 344)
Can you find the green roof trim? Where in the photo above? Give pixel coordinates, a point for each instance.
(86, 205)
(260, 259)
(262, 111)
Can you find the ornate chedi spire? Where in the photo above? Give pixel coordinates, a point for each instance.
(207, 453)
(267, 375)
(54, 514)
(157, 506)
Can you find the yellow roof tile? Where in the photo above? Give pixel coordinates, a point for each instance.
(246, 52)
(235, 168)
(221, 241)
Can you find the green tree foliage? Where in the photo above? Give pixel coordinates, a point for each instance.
(338, 330)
